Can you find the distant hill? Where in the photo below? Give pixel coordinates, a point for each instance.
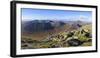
(40, 25)
(40, 29)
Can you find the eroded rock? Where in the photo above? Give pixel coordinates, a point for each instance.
(74, 42)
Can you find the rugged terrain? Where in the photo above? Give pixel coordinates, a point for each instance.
(54, 34)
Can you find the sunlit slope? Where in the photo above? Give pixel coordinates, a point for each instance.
(62, 37)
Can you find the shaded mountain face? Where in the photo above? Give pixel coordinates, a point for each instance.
(40, 25)
(45, 25)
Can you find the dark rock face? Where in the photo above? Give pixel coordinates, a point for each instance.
(70, 34)
(40, 25)
(88, 35)
(62, 23)
(76, 26)
(48, 26)
(79, 25)
(90, 40)
(37, 26)
(74, 42)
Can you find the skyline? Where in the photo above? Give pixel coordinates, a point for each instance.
(47, 14)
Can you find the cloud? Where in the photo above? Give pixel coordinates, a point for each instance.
(84, 18)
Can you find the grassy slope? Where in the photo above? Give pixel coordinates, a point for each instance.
(58, 42)
(43, 35)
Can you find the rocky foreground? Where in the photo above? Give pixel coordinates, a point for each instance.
(74, 38)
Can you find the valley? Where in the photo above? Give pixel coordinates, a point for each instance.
(55, 34)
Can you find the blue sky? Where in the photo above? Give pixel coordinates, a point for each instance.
(44, 14)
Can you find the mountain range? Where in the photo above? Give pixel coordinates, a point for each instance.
(45, 25)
